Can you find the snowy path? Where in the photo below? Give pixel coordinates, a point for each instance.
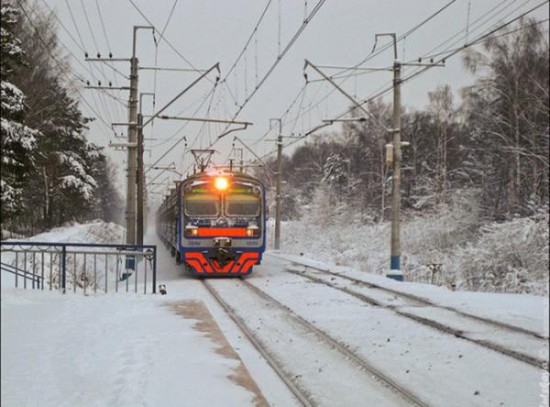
(109, 351)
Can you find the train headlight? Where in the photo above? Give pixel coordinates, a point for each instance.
(221, 183)
(191, 230)
(252, 231)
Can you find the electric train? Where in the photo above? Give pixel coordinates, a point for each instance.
(215, 224)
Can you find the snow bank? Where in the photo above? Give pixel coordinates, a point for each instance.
(475, 256)
(97, 231)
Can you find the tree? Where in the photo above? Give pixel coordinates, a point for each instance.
(17, 140)
(508, 114)
(336, 175)
(366, 146)
(108, 203)
(441, 107)
(51, 174)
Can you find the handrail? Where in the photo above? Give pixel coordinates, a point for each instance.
(84, 265)
(19, 272)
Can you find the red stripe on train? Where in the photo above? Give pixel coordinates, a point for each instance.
(225, 232)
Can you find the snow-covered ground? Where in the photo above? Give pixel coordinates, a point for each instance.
(474, 254)
(182, 350)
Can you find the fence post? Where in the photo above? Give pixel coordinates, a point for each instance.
(63, 268)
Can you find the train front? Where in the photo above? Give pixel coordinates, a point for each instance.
(222, 224)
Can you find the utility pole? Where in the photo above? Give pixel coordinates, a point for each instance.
(141, 191)
(395, 255)
(132, 144)
(140, 181)
(278, 186)
(132, 156)
(131, 205)
(395, 262)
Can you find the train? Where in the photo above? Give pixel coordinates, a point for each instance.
(214, 223)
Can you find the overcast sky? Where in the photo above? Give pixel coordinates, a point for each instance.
(205, 32)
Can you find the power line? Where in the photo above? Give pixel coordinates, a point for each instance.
(97, 48)
(485, 40)
(83, 48)
(479, 23)
(389, 87)
(103, 25)
(169, 17)
(57, 61)
(181, 128)
(302, 93)
(104, 105)
(113, 69)
(80, 47)
(480, 38)
(372, 55)
(162, 35)
(401, 37)
(420, 71)
(279, 58)
(89, 25)
(252, 35)
(156, 58)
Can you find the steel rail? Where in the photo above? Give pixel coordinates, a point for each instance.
(522, 357)
(426, 302)
(294, 388)
(343, 349)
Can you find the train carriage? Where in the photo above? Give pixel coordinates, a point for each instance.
(215, 223)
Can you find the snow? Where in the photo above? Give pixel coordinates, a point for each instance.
(13, 100)
(17, 133)
(448, 372)
(508, 257)
(530, 312)
(125, 351)
(182, 349)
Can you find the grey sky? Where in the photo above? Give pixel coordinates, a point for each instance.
(209, 31)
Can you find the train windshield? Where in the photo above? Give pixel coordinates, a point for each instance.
(244, 205)
(202, 205)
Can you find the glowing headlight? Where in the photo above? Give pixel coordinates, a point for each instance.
(191, 230)
(221, 183)
(252, 231)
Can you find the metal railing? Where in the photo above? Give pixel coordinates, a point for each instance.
(90, 268)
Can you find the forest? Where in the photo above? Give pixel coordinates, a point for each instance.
(474, 181)
(51, 174)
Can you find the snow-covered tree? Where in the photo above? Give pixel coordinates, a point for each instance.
(17, 141)
(336, 175)
(51, 174)
(365, 145)
(108, 203)
(508, 114)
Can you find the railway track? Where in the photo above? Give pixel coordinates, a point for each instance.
(300, 395)
(325, 349)
(482, 331)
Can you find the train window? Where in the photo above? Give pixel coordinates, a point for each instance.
(242, 205)
(202, 205)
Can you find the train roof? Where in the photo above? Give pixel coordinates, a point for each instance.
(209, 174)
